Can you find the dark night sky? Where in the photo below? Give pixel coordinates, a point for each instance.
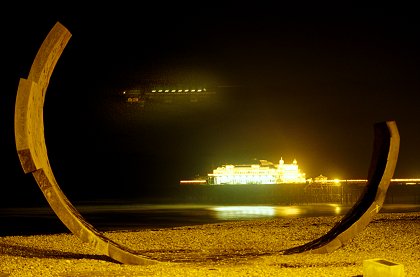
(305, 84)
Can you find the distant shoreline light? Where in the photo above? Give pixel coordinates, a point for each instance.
(193, 182)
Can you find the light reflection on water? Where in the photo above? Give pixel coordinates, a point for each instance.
(243, 212)
(124, 216)
(255, 212)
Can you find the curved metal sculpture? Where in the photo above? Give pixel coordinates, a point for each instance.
(32, 151)
(382, 166)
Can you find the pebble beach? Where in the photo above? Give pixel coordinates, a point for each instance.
(240, 248)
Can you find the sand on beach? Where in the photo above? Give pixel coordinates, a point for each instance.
(241, 248)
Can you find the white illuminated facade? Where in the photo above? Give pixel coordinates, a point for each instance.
(263, 173)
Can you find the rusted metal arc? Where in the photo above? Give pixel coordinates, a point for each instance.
(383, 163)
(32, 151)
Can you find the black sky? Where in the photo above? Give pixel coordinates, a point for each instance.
(305, 84)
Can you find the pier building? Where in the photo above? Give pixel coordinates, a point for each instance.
(264, 172)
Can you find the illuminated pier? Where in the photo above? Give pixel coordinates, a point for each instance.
(330, 182)
(264, 172)
(285, 184)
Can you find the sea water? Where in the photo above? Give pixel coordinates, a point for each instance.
(121, 216)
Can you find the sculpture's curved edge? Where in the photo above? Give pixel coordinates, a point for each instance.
(75, 222)
(32, 151)
(382, 167)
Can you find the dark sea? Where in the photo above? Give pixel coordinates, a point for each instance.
(119, 216)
